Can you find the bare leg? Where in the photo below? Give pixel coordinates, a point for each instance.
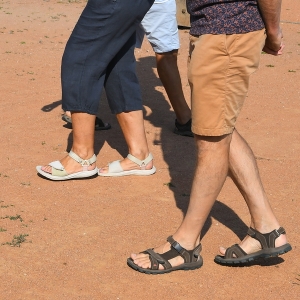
(83, 142)
(169, 75)
(210, 174)
(212, 167)
(132, 125)
(245, 174)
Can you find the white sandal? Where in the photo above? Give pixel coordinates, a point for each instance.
(59, 173)
(115, 169)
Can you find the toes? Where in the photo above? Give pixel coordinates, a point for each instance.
(141, 260)
(222, 250)
(47, 169)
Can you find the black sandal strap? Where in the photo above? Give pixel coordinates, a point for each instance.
(187, 255)
(234, 251)
(157, 259)
(267, 240)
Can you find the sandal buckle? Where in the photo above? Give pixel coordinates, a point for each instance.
(277, 233)
(85, 162)
(177, 247)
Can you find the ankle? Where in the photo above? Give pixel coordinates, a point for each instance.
(83, 153)
(141, 155)
(188, 244)
(183, 120)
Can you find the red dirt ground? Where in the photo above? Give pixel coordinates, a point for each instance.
(81, 232)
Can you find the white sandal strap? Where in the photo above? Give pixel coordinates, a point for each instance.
(83, 162)
(141, 163)
(56, 165)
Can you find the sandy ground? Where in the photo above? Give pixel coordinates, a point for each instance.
(75, 236)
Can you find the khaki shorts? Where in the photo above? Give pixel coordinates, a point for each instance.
(219, 69)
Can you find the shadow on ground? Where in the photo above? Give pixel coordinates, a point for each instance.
(180, 162)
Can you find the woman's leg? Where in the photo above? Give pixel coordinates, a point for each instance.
(102, 30)
(124, 97)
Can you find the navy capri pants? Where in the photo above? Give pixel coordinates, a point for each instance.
(100, 52)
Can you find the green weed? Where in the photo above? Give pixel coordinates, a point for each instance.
(13, 218)
(17, 240)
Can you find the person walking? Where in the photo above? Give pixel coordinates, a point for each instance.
(225, 47)
(100, 53)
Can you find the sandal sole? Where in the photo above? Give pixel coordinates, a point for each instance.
(267, 253)
(183, 267)
(132, 172)
(78, 175)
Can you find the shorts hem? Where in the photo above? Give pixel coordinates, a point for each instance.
(212, 132)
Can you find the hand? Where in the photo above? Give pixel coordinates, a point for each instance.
(274, 44)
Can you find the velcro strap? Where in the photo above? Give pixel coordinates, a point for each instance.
(279, 231)
(175, 245)
(57, 165)
(83, 162)
(141, 163)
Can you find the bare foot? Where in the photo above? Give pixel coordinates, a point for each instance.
(251, 245)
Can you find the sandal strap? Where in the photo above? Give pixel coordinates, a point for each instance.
(142, 163)
(84, 162)
(267, 240)
(176, 249)
(234, 251)
(156, 259)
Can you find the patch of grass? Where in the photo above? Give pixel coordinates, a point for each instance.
(6, 206)
(13, 218)
(17, 240)
(2, 229)
(23, 43)
(43, 143)
(26, 183)
(270, 66)
(292, 71)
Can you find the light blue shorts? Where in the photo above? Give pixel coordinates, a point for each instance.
(160, 27)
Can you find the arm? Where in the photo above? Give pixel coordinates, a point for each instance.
(270, 11)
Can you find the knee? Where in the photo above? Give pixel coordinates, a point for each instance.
(213, 143)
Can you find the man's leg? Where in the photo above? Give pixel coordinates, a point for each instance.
(210, 174)
(160, 27)
(211, 171)
(244, 172)
(168, 72)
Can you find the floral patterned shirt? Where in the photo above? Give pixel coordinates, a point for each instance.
(224, 16)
